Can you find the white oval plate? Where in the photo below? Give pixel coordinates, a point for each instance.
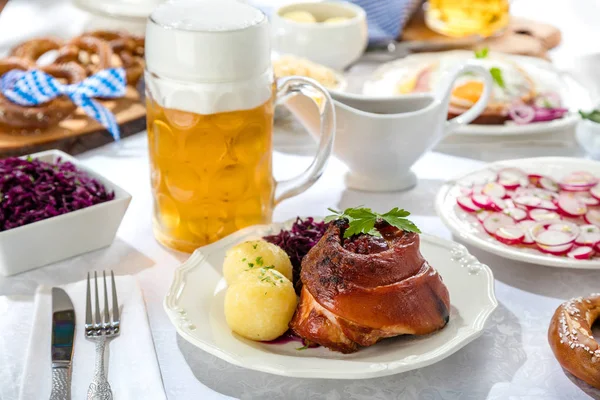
(575, 96)
(194, 304)
(468, 228)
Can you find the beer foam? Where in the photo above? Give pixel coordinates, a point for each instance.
(211, 98)
(207, 15)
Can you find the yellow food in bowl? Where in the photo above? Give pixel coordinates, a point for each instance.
(254, 255)
(303, 17)
(260, 304)
(288, 65)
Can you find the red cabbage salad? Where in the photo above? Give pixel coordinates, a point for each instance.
(296, 242)
(33, 190)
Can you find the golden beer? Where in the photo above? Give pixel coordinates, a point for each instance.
(460, 18)
(210, 94)
(211, 174)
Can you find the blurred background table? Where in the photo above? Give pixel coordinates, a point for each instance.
(511, 360)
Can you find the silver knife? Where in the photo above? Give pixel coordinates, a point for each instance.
(63, 333)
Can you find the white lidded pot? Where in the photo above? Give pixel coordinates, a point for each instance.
(380, 138)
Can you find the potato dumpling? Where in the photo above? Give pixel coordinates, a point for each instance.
(300, 16)
(260, 304)
(255, 254)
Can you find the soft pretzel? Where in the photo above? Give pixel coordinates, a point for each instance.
(44, 115)
(33, 49)
(571, 339)
(91, 53)
(129, 48)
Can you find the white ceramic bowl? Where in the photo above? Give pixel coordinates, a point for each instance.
(334, 45)
(54, 239)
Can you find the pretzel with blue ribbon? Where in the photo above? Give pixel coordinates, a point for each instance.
(34, 87)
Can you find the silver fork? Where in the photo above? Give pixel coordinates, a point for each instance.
(101, 330)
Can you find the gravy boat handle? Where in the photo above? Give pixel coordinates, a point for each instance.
(477, 108)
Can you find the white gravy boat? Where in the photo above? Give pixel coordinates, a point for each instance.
(379, 139)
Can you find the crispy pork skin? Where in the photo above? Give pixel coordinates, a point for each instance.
(350, 299)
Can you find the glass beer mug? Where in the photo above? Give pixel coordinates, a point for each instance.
(461, 18)
(210, 96)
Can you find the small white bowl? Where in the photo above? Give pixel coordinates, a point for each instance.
(57, 238)
(588, 137)
(335, 45)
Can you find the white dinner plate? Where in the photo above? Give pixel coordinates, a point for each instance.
(466, 226)
(547, 78)
(195, 299)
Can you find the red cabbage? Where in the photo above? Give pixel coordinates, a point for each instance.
(297, 241)
(33, 190)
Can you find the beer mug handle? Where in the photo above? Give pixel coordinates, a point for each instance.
(292, 86)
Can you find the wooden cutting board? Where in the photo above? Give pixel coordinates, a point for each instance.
(522, 36)
(79, 133)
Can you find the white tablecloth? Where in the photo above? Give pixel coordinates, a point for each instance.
(511, 360)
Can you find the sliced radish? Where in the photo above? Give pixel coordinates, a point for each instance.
(563, 226)
(555, 250)
(494, 189)
(587, 199)
(525, 226)
(534, 179)
(511, 204)
(570, 206)
(476, 189)
(597, 247)
(595, 191)
(552, 238)
(498, 204)
(589, 235)
(482, 215)
(547, 205)
(512, 178)
(542, 215)
(592, 217)
(483, 177)
(518, 214)
(581, 253)
(577, 181)
(465, 191)
(467, 204)
(528, 201)
(510, 235)
(548, 184)
(537, 192)
(482, 200)
(495, 221)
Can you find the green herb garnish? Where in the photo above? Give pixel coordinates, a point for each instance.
(362, 220)
(259, 261)
(593, 115)
(302, 348)
(254, 246)
(482, 53)
(497, 76)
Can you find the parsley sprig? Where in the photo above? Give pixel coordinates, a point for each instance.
(362, 220)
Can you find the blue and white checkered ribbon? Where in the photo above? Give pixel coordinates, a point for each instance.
(34, 87)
